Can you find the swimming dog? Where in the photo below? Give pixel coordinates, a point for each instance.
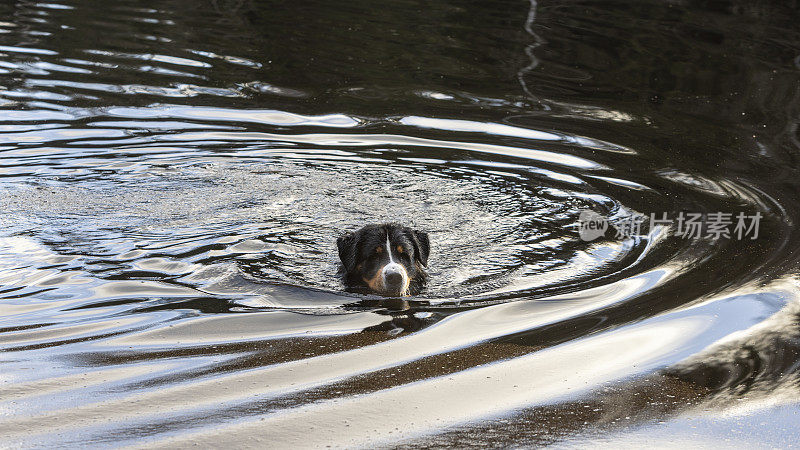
(388, 259)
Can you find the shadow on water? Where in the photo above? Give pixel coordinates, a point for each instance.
(173, 180)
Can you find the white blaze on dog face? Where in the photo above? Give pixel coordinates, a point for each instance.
(389, 250)
(394, 268)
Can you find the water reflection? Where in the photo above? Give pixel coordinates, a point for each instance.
(173, 181)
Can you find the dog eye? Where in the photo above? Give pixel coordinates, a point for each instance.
(379, 250)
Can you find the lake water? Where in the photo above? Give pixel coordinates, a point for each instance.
(173, 176)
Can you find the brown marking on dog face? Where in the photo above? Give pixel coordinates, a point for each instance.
(400, 249)
(376, 282)
(379, 250)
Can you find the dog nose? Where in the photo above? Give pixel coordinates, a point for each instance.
(393, 277)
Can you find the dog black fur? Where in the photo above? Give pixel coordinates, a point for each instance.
(388, 259)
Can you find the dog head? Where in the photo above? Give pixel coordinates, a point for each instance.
(387, 258)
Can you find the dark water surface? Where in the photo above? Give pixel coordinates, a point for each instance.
(173, 176)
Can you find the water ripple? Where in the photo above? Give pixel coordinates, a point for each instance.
(173, 181)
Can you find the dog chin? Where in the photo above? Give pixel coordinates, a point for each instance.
(388, 291)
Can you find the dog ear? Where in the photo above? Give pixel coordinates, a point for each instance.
(347, 245)
(422, 246)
